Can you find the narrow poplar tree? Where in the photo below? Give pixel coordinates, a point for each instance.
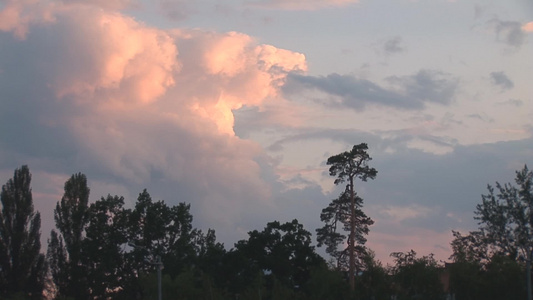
(64, 249)
(21, 263)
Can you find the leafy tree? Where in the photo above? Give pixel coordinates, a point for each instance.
(338, 216)
(156, 229)
(327, 284)
(374, 280)
(348, 166)
(505, 218)
(22, 266)
(416, 277)
(281, 252)
(71, 217)
(103, 248)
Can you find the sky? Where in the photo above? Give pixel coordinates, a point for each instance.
(235, 106)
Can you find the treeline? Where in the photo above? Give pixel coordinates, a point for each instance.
(104, 250)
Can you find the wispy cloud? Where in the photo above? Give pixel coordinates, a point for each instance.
(106, 4)
(407, 92)
(300, 4)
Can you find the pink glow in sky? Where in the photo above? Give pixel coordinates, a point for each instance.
(234, 107)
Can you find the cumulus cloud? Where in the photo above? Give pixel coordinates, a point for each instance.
(407, 92)
(98, 92)
(501, 80)
(300, 4)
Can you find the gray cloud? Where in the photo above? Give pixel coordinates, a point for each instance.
(176, 10)
(501, 80)
(513, 102)
(408, 92)
(509, 32)
(393, 45)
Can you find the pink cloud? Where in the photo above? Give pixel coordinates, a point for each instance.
(109, 59)
(528, 27)
(18, 15)
(423, 241)
(135, 100)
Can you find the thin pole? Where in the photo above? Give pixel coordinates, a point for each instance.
(159, 264)
(528, 274)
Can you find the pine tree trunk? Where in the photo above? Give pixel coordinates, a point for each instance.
(351, 275)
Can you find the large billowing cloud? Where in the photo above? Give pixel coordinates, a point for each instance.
(95, 91)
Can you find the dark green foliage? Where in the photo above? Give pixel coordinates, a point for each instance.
(22, 266)
(493, 260)
(348, 166)
(374, 282)
(282, 254)
(71, 216)
(157, 229)
(337, 217)
(503, 278)
(506, 217)
(416, 277)
(103, 247)
(326, 284)
(352, 164)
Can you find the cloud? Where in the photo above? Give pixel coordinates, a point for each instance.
(408, 92)
(501, 80)
(401, 213)
(17, 15)
(528, 27)
(96, 91)
(509, 32)
(105, 4)
(300, 4)
(175, 10)
(393, 46)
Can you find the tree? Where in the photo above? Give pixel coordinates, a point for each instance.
(156, 229)
(338, 216)
(71, 217)
(103, 248)
(348, 166)
(506, 220)
(22, 266)
(504, 241)
(416, 277)
(282, 253)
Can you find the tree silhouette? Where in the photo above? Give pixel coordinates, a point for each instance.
(348, 166)
(21, 264)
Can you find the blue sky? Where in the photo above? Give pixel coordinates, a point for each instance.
(234, 106)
